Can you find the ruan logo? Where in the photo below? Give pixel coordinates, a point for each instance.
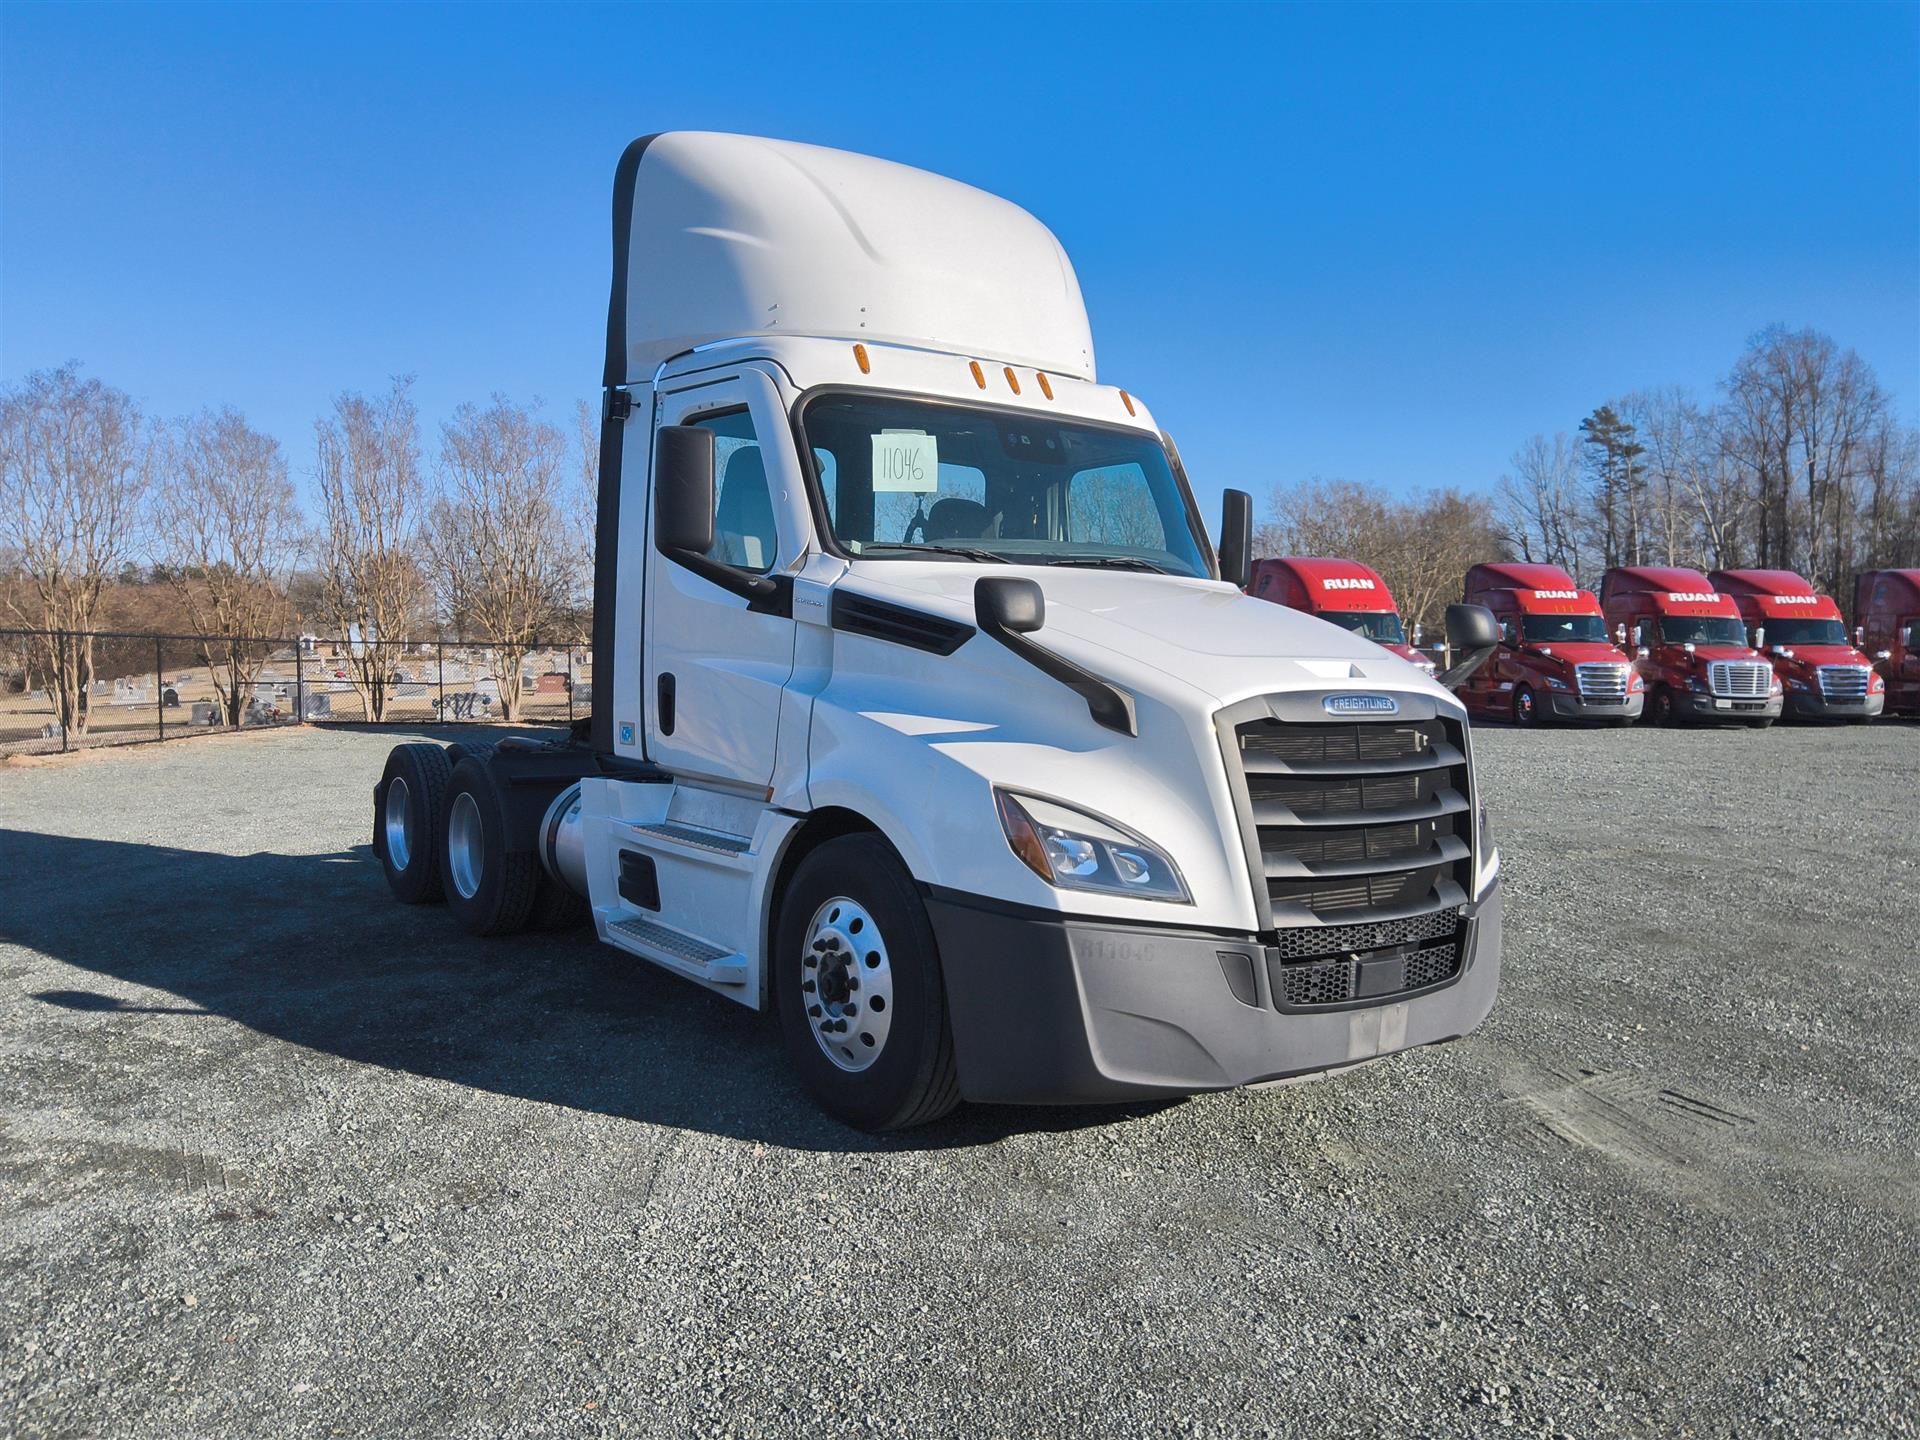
(1349, 583)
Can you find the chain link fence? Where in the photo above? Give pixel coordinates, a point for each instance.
(66, 690)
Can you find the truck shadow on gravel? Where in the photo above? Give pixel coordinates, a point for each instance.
(312, 950)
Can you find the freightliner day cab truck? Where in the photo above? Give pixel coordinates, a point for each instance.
(1555, 660)
(1886, 614)
(1341, 592)
(1822, 676)
(1691, 647)
(925, 714)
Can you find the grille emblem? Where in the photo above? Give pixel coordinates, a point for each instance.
(1361, 705)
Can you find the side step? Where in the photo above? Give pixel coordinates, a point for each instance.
(679, 951)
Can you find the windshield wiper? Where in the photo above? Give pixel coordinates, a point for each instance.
(962, 551)
(1107, 562)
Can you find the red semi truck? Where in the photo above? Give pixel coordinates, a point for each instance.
(1555, 661)
(1692, 647)
(1342, 592)
(1886, 614)
(1823, 676)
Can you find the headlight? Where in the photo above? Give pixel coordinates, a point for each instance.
(1634, 682)
(1696, 683)
(1077, 851)
(1774, 689)
(1792, 684)
(1874, 683)
(1554, 682)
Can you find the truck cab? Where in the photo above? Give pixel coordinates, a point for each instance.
(1886, 612)
(1690, 647)
(926, 714)
(1556, 660)
(1821, 673)
(1341, 592)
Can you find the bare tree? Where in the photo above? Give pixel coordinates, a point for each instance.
(1422, 545)
(73, 479)
(504, 561)
(228, 530)
(372, 504)
(1538, 506)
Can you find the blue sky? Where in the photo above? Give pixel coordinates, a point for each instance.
(1371, 242)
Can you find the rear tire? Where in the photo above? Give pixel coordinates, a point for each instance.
(489, 891)
(407, 811)
(852, 910)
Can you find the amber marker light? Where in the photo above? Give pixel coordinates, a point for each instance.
(1013, 380)
(860, 359)
(1045, 388)
(979, 375)
(1127, 400)
(1022, 835)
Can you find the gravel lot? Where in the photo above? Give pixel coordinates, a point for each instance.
(281, 1157)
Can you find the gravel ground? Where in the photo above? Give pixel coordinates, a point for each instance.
(281, 1157)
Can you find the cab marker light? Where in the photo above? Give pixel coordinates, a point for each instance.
(1127, 400)
(1045, 388)
(860, 359)
(979, 378)
(1013, 380)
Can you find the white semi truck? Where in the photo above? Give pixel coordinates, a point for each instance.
(925, 715)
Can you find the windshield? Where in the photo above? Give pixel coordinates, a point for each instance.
(1380, 626)
(1560, 629)
(1805, 632)
(1702, 630)
(906, 479)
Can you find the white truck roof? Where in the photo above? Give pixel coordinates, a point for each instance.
(724, 236)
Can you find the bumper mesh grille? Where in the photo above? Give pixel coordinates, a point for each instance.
(1306, 984)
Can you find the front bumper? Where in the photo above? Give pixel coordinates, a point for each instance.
(1568, 706)
(1062, 1011)
(1810, 705)
(1718, 707)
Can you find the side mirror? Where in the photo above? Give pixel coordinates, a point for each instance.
(1006, 603)
(683, 490)
(1418, 634)
(1859, 634)
(1472, 633)
(1620, 634)
(1236, 538)
(1759, 637)
(683, 512)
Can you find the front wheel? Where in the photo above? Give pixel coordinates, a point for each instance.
(1660, 711)
(856, 978)
(1526, 708)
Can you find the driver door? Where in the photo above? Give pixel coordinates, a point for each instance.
(715, 666)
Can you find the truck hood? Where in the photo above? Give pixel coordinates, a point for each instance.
(1579, 652)
(1814, 655)
(1201, 633)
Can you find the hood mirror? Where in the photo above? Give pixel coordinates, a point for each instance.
(1236, 538)
(1473, 634)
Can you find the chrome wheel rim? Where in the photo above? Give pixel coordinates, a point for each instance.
(466, 845)
(397, 824)
(1523, 707)
(846, 984)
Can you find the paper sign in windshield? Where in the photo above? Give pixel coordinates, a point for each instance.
(905, 461)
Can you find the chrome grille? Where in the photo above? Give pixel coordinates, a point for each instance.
(1843, 682)
(1601, 681)
(1741, 679)
(1357, 821)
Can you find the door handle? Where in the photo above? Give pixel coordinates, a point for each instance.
(663, 690)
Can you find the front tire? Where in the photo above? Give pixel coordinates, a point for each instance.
(857, 981)
(488, 890)
(407, 812)
(1526, 709)
(1660, 710)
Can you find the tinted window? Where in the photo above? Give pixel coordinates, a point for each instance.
(743, 530)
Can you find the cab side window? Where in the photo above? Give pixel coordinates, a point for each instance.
(744, 535)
